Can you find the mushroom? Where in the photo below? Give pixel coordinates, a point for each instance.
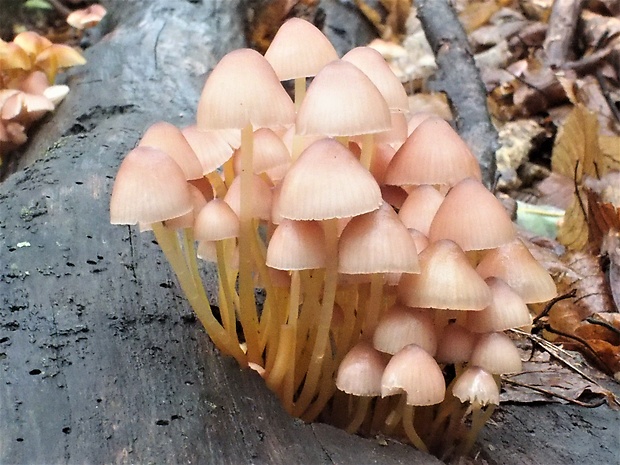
(360, 374)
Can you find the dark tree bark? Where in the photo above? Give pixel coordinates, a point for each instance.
(101, 358)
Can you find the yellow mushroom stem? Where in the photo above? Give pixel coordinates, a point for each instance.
(230, 303)
(169, 243)
(247, 312)
(361, 411)
(320, 350)
(479, 417)
(368, 150)
(408, 418)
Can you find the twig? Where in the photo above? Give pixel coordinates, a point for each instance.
(552, 302)
(606, 93)
(561, 32)
(60, 8)
(594, 404)
(459, 78)
(581, 341)
(555, 351)
(596, 321)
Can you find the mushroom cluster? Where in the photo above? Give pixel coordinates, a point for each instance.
(28, 68)
(390, 272)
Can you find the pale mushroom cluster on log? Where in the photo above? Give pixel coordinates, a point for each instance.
(370, 232)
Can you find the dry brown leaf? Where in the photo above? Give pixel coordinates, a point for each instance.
(477, 14)
(610, 146)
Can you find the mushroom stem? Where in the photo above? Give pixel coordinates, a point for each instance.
(218, 185)
(368, 150)
(408, 417)
(479, 417)
(293, 311)
(300, 91)
(283, 358)
(320, 352)
(247, 311)
(374, 303)
(231, 300)
(168, 241)
(360, 414)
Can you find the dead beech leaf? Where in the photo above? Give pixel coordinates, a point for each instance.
(576, 150)
(543, 372)
(576, 154)
(610, 148)
(573, 230)
(475, 14)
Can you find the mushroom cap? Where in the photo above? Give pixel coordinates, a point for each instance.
(342, 101)
(496, 353)
(243, 89)
(216, 221)
(419, 209)
(361, 370)
(515, 265)
(446, 281)
(261, 197)
(187, 220)
(413, 371)
(373, 65)
(149, 187)
(473, 217)
(433, 154)
(299, 49)
(386, 243)
(477, 387)
(327, 181)
(456, 344)
(401, 326)
(297, 245)
(269, 152)
(506, 310)
(211, 147)
(86, 17)
(169, 139)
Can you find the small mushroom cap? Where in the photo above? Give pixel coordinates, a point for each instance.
(211, 147)
(496, 353)
(446, 281)
(297, 245)
(299, 49)
(361, 370)
(327, 181)
(456, 344)
(368, 232)
(401, 326)
(261, 197)
(86, 17)
(506, 310)
(476, 387)
(414, 372)
(516, 266)
(216, 221)
(169, 139)
(149, 187)
(473, 217)
(337, 103)
(243, 89)
(269, 152)
(419, 209)
(433, 154)
(373, 65)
